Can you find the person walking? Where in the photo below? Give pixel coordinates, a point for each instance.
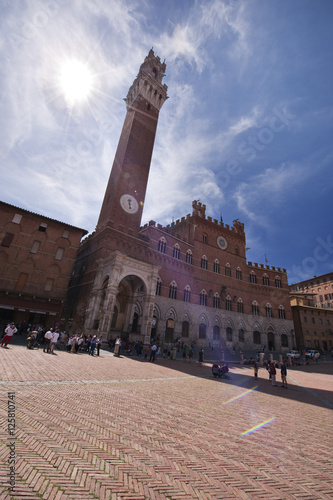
(54, 340)
(98, 345)
(9, 332)
(201, 356)
(153, 350)
(93, 345)
(284, 375)
(272, 371)
(47, 340)
(255, 368)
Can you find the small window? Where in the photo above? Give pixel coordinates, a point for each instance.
(240, 306)
(238, 274)
(17, 218)
(176, 251)
(204, 238)
(216, 301)
(203, 298)
(228, 303)
(255, 308)
(42, 227)
(59, 254)
(278, 283)
(253, 278)
(35, 247)
(216, 268)
(204, 262)
(187, 294)
(173, 291)
(282, 313)
(227, 270)
(161, 245)
(269, 311)
(158, 287)
(48, 285)
(6, 242)
(66, 234)
(265, 280)
(189, 257)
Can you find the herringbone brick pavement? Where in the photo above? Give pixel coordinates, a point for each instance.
(121, 428)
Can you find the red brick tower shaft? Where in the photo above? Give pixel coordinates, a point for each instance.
(126, 189)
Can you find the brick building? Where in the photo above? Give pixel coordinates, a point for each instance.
(188, 280)
(36, 260)
(312, 308)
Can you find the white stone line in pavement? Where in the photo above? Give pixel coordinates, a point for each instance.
(83, 382)
(313, 393)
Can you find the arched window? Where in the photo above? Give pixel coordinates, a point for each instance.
(202, 331)
(227, 270)
(216, 332)
(216, 267)
(189, 257)
(282, 312)
(203, 298)
(240, 305)
(238, 273)
(278, 283)
(256, 337)
(176, 251)
(158, 286)
(173, 290)
(241, 335)
(269, 311)
(217, 302)
(229, 334)
(204, 262)
(204, 238)
(161, 245)
(228, 303)
(187, 294)
(284, 340)
(253, 277)
(185, 328)
(255, 308)
(265, 280)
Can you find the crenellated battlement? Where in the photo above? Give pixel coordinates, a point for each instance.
(265, 266)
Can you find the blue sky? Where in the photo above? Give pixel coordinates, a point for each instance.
(247, 129)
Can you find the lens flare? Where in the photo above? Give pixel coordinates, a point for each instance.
(257, 427)
(240, 396)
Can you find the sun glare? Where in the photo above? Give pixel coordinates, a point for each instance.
(75, 81)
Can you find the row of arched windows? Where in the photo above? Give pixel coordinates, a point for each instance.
(230, 305)
(230, 335)
(216, 265)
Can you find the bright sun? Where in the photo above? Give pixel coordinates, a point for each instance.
(75, 80)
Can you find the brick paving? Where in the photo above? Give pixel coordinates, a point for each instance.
(121, 428)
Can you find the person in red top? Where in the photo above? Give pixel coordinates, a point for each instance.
(10, 330)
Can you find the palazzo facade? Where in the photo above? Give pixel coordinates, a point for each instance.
(189, 280)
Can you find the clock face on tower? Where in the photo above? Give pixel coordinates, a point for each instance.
(222, 242)
(129, 203)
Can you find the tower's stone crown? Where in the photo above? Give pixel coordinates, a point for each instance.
(148, 83)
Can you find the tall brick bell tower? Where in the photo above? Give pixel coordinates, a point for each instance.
(126, 189)
(113, 283)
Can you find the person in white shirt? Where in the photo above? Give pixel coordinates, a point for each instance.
(10, 330)
(47, 340)
(54, 340)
